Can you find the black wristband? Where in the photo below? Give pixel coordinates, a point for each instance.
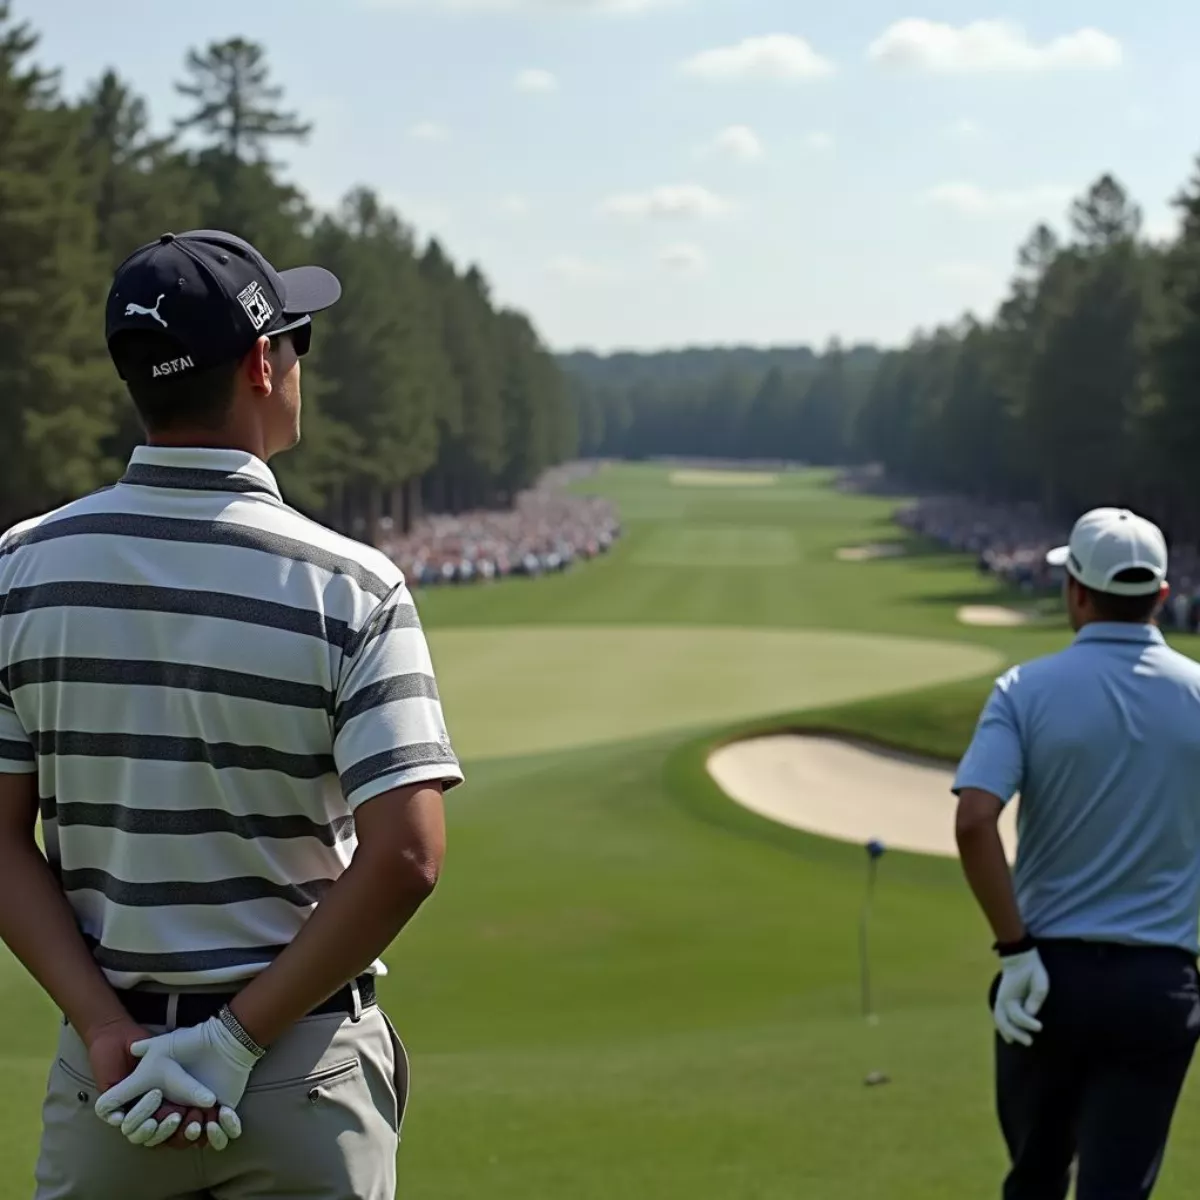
(1008, 949)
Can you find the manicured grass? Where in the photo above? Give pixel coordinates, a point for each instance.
(626, 984)
(525, 690)
(729, 546)
(935, 721)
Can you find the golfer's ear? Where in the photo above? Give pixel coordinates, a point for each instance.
(258, 367)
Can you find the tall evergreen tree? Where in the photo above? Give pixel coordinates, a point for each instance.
(237, 118)
(236, 104)
(57, 395)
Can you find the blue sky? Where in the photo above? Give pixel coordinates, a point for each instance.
(648, 173)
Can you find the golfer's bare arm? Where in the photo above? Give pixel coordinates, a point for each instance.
(37, 923)
(976, 829)
(401, 844)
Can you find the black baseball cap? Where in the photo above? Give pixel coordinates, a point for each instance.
(214, 295)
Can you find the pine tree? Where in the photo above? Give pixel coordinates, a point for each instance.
(238, 121)
(58, 394)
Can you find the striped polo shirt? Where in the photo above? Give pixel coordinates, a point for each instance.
(207, 685)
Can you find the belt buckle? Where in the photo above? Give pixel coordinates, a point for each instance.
(356, 1004)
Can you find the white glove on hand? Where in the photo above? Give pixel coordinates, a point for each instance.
(217, 1066)
(142, 1128)
(1024, 985)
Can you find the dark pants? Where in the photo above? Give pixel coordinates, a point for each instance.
(1100, 1083)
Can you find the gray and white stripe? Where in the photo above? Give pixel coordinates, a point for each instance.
(207, 685)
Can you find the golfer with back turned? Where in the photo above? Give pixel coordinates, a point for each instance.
(1096, 1002)
(228, 716)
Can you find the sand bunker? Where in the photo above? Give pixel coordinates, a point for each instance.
(847, 790)
(992, 615)
(867, 553)
(701, 478)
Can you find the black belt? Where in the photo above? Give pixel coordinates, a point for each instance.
(194, 1008)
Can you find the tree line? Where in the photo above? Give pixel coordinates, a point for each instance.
(736, 402)
(1083, 388)
(420, 391)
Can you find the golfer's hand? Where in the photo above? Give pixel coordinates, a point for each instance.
(183, 1129)
(199, 1067)
(110, 1054)
(132, 1102)
(1023, 988)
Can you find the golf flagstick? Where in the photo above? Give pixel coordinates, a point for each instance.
(875, 851)
(864, 945)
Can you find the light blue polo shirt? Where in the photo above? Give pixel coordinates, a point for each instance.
(1102, 741)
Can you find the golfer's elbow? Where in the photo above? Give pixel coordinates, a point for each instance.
(419, 872)
(402, 843)
(977, 816)
(405, 875)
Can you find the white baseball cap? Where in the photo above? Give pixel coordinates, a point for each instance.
(1109, 541)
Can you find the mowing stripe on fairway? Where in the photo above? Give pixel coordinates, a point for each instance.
(718, 546)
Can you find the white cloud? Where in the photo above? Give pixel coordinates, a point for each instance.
(964, 129)
(683, 258)
(1045, 200)
(670, 201)
(429, 131)
(737, 141)
(515, 205)
(573, 269)
(777, 56)
(820, 141)
(503, 6)
(982, 47)
(534, 79)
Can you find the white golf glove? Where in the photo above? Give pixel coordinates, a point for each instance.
(1024, 985)
(199, 1066)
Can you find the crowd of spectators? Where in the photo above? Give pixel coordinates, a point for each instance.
(545, 531)
(1010, 541)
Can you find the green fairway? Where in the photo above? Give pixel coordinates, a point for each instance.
(525, 691)
(628, 986)
(721, 546)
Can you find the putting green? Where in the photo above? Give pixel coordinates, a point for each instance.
(701, 478)
(719, 546)
(512, 691)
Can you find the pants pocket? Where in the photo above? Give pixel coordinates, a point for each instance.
(326, 1077)
(401, 1077)
(321, 1135)
(81, 1158)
